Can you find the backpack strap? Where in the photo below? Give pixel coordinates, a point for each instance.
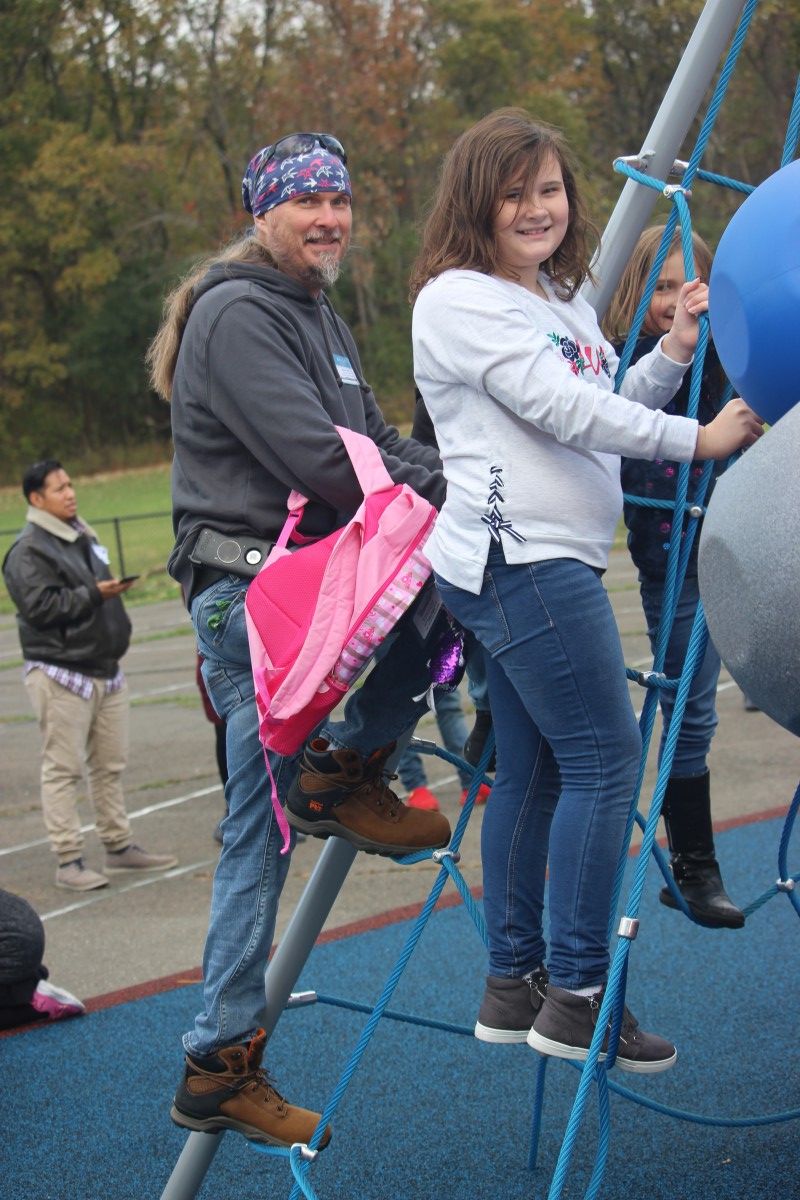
(371, 473)
(296, 504)
(366, 461)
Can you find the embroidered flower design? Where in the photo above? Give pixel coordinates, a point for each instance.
(590, 358)
(572, 353)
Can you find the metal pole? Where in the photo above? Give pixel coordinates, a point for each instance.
(308, 918)
(305, 926)
(678, 109)
(120, 556)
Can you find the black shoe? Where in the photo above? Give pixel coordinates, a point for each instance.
(509, 1006)
(473, 746)
(339, 793)
(700, 883)
(687, 818)
(229, 1090)
(565, 1025)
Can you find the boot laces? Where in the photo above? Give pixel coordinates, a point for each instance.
(260, 1079)
(376, 780)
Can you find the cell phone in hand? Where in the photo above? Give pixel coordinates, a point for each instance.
(128, 578)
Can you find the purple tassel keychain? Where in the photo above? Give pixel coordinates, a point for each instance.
(446, 663)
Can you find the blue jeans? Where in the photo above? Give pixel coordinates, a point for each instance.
(568, 750)
(700, 715)
(453, 728)
(251, 870)
(477, 683)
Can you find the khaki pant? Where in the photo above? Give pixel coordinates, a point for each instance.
(81, 736)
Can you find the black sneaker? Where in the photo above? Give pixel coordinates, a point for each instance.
(509, 1006)
(340, 793)
(565, 1024)
(473, 746)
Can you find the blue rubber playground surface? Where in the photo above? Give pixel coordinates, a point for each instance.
(432, 1113)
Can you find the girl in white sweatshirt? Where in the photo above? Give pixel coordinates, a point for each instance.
(518, 380)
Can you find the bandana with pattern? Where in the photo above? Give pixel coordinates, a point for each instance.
(270, 182)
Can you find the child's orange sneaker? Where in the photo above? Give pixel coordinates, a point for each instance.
(422, 797)
(483, 794)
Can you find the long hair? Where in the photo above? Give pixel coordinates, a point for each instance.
(622, 309)
(504, 146)
(162, 353)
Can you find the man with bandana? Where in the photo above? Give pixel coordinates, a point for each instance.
(259, 370)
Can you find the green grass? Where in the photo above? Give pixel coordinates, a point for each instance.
(146, 542)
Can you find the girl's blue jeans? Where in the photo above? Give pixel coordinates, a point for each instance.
(568, 750)
(700, 715)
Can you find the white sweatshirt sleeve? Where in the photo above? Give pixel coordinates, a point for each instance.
(466, 328)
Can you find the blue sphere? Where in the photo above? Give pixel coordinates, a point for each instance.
(754, 295)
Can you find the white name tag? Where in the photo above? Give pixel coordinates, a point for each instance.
(345, 369)
(101, 552)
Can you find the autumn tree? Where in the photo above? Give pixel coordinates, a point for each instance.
(125, 127)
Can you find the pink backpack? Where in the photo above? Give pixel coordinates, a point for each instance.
(316, 615)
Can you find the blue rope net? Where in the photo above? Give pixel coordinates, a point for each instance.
(594, 1073)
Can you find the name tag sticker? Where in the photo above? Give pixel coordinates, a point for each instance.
(345, 369)
(101, 552)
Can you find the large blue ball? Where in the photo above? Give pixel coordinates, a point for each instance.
(754, 295)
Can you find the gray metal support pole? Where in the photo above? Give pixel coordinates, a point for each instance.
(308, 918)
(679, 107)
(305, 926)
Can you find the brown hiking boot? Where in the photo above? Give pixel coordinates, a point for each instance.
(230, 1090)
(340, 793)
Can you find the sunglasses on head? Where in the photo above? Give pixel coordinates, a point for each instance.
(304, 143)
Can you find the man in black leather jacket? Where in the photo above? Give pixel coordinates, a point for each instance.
(73, 630)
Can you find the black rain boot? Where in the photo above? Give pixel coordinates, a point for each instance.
(473, 747)
(687, 817)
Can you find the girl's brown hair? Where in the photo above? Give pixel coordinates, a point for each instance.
(618, 320)
(162, 353)
(506, 147)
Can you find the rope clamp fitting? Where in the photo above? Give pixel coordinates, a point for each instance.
(306, 1152)
(696, 511)
(440, 855)
(641, 162)
(628, 927)
(298, 999)
(672, 189)
(650, 679)
(785, 885)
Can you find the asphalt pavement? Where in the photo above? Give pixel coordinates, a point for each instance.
(139, 930)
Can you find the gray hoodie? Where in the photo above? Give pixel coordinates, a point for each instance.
(264, 372)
